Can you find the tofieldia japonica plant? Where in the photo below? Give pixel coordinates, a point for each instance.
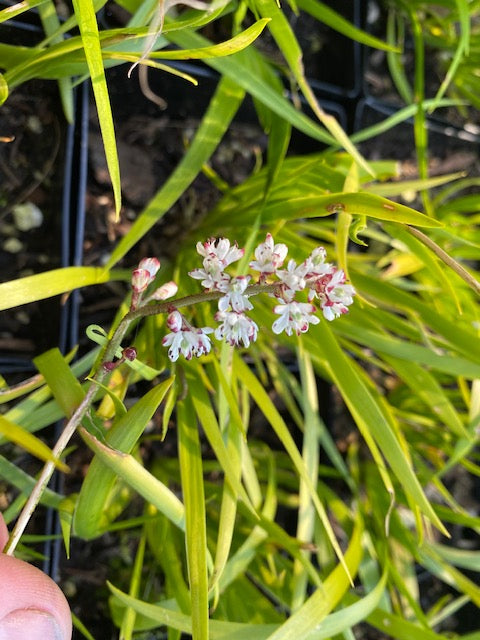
(294, 287)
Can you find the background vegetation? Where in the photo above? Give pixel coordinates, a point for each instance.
(270, 508)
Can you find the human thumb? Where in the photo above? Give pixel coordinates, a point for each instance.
(32, 607)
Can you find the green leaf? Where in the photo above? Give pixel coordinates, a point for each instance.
(325, 14)
(17, 9)
(369, 416)
(361, 203)
(64, 386)
(191, 473)
(65, 512)
(219, 629)
(134, 474)
(87, 23)
(14, 433)
(305, 622)
(90, 515)
(3, 89)
(51, 24)
(25, 483)
(226, 48)
(48, 284)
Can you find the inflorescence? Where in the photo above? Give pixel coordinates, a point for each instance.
(321, 280)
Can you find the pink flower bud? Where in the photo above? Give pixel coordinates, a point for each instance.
(167, 290)
(129, 353)
(152, 265)
(175, 321)
(140, 280)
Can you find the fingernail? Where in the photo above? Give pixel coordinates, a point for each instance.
(31, 624)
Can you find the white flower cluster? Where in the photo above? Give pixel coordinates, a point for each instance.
(321, 280)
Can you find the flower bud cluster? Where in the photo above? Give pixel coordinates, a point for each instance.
(320, 280)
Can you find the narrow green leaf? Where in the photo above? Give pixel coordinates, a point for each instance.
(25, 483)
(65, 512)
(328, 16)
(461, 51)
(268, 409)
(90, 513)
(395, 58)
(14, 433)
(464, 342)
(225, 48)
(64, 386)
(219, 629)
(128, 621)
(48, 284)
(134, 474)
(191, 473)
(51, 24)
(3, 89)
(386, 344)
(370, 418)
(87, 23)
(17, 9)
(361, 203)
(304, 622)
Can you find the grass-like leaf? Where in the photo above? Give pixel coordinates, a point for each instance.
(51, 283)
(91, 515)
(191, 471)
(87, 23)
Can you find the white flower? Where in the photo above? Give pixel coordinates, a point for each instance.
(269, 256)
(220, 251)
(236, 328)
(292, 278)
(211, 275)
(316, 259)
(235, 298)
(188, 342)
(294, 316)
(337, 296)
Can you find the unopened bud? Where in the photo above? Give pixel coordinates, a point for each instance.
(167, 290)
(140, 280)
(152, 265)
(129, 353)
(110, 366)
(175, 321)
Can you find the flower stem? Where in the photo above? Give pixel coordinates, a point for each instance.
(84, 406)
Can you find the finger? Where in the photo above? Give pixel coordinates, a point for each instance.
(31, 604)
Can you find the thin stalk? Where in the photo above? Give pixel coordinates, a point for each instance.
(102, 372)
(47, 471)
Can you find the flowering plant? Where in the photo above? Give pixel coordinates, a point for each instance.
(320, 279)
